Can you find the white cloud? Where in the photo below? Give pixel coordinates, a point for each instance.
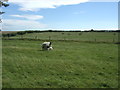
(35, 5)
(14, 24)
(29, 17)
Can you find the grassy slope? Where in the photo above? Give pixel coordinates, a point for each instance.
(84, 36)
(70, 64)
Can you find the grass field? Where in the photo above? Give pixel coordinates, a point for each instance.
(69, 65)
(79, 36)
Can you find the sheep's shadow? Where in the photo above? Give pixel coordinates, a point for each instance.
(42, 50)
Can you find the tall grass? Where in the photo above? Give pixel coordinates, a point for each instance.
(69, 65)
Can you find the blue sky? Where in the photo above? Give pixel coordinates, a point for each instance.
(61, 16)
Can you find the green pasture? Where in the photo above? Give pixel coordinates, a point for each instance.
(69, 65)
(79, 36)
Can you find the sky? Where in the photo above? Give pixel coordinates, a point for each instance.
(60, 15)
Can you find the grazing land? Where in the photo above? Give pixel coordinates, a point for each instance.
(70, 65)
(77, 36)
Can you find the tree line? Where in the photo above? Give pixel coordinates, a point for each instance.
(36, 31)
(13, 34)
(39, 31)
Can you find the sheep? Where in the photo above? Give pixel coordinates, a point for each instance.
(47, 46)
(50, 48)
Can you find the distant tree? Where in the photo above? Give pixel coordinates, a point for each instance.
(114, 34)
(80, 33)
(21, 33)
(91, 30)
(49, 30)
(62, 33)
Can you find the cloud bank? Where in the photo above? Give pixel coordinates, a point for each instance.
(14, 24)
(35, 5)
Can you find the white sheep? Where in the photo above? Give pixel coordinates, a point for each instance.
(50, 48)
(47, 46)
